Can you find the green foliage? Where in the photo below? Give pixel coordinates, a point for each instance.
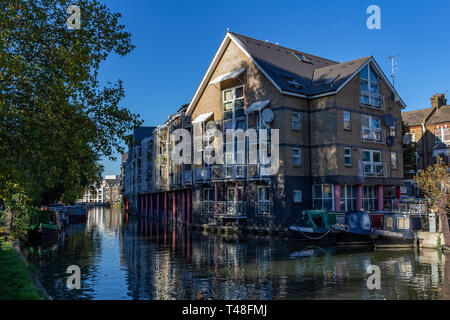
(21, 213)
(56, 119)
(15, 281)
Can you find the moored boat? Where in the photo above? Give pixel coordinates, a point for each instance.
(77, 213)
(313, 225)
(45, 227)
(399, 230)
(356, 230)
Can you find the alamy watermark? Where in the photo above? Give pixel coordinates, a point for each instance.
(74, 20)
(74, 280)
(374, 20)
(374, 280)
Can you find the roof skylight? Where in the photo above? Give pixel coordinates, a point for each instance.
(302, 57)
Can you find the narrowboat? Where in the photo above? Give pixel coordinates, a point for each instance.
(77, 213)
(313, 225)
(400, 230)
(356, 230)
(45, 227)
(63, 215)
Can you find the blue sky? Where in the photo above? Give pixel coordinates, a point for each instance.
(176, 41)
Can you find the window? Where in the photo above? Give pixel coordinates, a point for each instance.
(371, 156)
(369, 84)
(369, 198)
(348, 198)
(442, 134)
(348, 156)
(296, 157)
(347, 124)
(323, 197)
(263, 205)
(392, 131)
(388, 223)
(403, 223)
(208, 194)
(394, 160)
(297, 196)
(292, 82)
(295, 121)
(370, 122)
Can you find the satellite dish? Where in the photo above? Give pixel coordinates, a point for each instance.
(390, 141)
(389, 120)
(267, 115)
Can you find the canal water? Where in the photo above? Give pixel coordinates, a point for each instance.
(122, 257)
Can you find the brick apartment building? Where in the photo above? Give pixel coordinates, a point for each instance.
(340, 136)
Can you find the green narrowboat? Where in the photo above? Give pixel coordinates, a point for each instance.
(45, 227)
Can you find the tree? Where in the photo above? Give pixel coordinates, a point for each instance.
(56, 119)
(434, 182)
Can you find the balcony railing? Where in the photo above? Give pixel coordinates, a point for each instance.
(258, 172)
(202, 174)
(234, 171)
(262, 207)
(225, 208)
(208, 207)
(372, 100)
(370, 169)
(373, 135)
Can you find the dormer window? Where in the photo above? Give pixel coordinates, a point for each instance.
(370, 89)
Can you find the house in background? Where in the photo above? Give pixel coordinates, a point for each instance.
(430, 132)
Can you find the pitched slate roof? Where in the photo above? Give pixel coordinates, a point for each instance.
(312, 74)
(290, 71)
(440, 115)
(415, 117)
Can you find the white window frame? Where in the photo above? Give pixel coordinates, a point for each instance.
(348, 156)
(344, 113)
(296, 120)
(373, 197)
(299, 193)
(348, 197)
(371, 125)
(372, 152)
(299, 157)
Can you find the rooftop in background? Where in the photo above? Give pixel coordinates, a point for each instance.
(438, 113)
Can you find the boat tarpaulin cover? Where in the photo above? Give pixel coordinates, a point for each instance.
(203, 117)
(258, 106)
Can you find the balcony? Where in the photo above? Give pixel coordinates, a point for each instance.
(258, 172)
(217, 172)
(373, 135)
(234, 171)
(202, 174)
(262, 207)
(372, 100)
(225, 209)
(373, 170)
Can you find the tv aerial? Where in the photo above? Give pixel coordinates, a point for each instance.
(394, 66)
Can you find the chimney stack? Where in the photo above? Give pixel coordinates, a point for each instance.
(438, 101)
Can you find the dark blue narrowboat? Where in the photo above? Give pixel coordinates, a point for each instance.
(399, 230)
(77, 213)
(356, 230)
